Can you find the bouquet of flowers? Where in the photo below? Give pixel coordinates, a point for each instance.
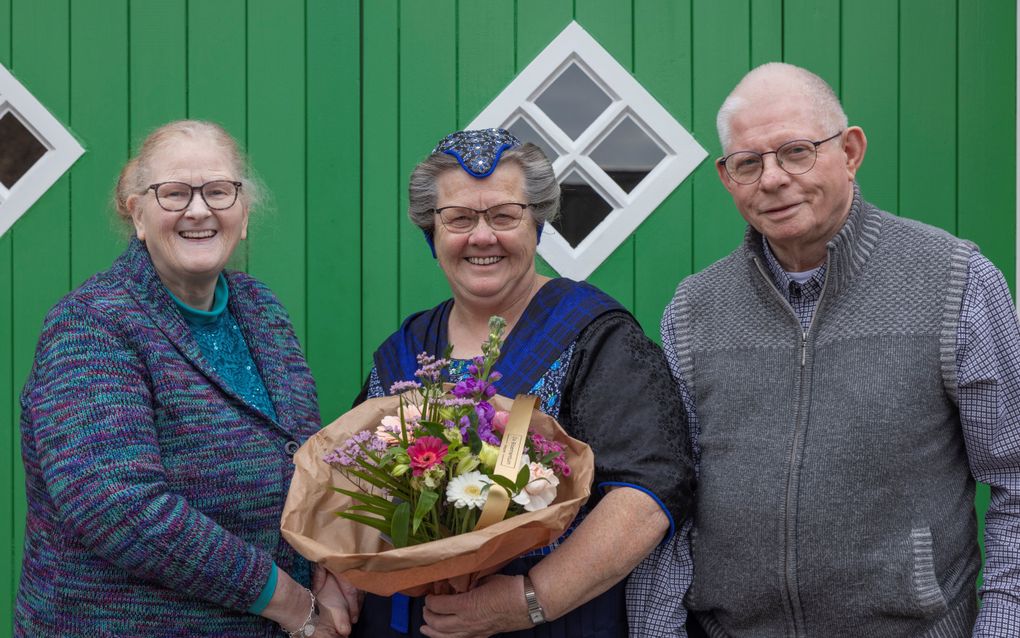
(436, 486)
(427, 472)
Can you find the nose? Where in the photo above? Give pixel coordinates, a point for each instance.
(772, 174)
(482, 233)
(197, 207)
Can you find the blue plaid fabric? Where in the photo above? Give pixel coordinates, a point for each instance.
(988, 369)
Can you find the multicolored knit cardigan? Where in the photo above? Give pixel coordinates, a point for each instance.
(154, 491)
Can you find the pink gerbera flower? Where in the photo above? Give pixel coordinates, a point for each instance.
(426, 453)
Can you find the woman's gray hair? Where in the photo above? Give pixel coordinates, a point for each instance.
(824, 100)
(541, 189)
(136, 176)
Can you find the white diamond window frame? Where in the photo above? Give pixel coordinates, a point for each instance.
(62, 150)
(683, 154)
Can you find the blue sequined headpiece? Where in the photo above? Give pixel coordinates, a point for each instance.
(477, 151)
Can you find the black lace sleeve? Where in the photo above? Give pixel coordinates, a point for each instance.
(620, 399)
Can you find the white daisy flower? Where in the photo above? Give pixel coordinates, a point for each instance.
(470, 489)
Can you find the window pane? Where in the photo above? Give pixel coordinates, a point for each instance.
(581, 209)
(573, 101)
(525, 132)
(627, 154)
(19, 150)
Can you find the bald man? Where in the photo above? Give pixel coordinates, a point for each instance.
(848, 375)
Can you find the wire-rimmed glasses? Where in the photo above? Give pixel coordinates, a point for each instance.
(796, 157)
(174, 197)
(462, 219)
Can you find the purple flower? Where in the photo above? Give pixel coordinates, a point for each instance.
(466, 387)
(485, 412)
(403, 386)
(495, 376)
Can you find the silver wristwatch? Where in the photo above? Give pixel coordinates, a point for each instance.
(308, 628)
(534, 609)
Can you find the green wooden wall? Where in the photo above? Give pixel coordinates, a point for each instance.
(336, 100)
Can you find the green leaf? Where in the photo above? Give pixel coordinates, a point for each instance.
(523, 477)
(506, 484)
(363, 497)
(377, 523)
(433, 428)
(399, 524)
(426, 500)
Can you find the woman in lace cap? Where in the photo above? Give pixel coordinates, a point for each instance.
(481, 198)
(166, 399)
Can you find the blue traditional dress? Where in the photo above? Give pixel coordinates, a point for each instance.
(596, 372)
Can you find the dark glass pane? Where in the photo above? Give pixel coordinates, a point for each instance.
(627, 154)
(573, 101)
(19, 150)
(525, 132)
(581, 209)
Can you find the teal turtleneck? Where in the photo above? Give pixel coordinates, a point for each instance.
(222, 344)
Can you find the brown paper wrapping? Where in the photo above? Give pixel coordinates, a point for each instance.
(311, 525)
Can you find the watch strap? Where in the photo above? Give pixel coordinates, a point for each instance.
(534, 609)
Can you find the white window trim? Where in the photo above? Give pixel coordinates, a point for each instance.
(683, 153)
(62, 150)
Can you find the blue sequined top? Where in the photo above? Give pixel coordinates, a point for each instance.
(223, 345)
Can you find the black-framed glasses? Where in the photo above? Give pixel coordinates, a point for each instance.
(795, 157)
(174, 197)
(462, 219)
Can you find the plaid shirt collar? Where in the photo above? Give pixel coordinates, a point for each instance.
(803, 298)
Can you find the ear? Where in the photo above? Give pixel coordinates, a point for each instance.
(244, 223)
(136, 215)
(724, 177)
(855, 146)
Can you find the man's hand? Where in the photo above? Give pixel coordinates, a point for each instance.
(495, 605)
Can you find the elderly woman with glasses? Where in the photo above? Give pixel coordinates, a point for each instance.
(481, 198)
(166, 400)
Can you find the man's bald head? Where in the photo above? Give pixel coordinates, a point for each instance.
(779, 78)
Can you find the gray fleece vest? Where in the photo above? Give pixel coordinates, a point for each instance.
(835, 498)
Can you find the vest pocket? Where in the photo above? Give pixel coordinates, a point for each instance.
(927, 592)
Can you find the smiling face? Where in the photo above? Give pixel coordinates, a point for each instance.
(798, 214)
(487, 270)
(191, 247)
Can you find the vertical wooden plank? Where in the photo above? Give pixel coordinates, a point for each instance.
(382, 180)
(811, 37)
(927, 114)
(718, 64)
(216, 63)
(987, 108)
(158, 55)
(333, 137)
(10, 456)
(276, 143)
(428, 98)
(99, 116)
(662, 245)
(41, 247)
(538, 23)
(766, 31)
(870, 93)
(485, 55)
(609, 22)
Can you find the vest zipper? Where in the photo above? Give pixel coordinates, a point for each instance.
(792, 597)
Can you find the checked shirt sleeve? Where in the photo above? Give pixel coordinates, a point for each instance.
(657, 586)
(93, 435)
(988, 370)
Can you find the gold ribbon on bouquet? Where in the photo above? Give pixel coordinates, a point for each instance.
(508, 464)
